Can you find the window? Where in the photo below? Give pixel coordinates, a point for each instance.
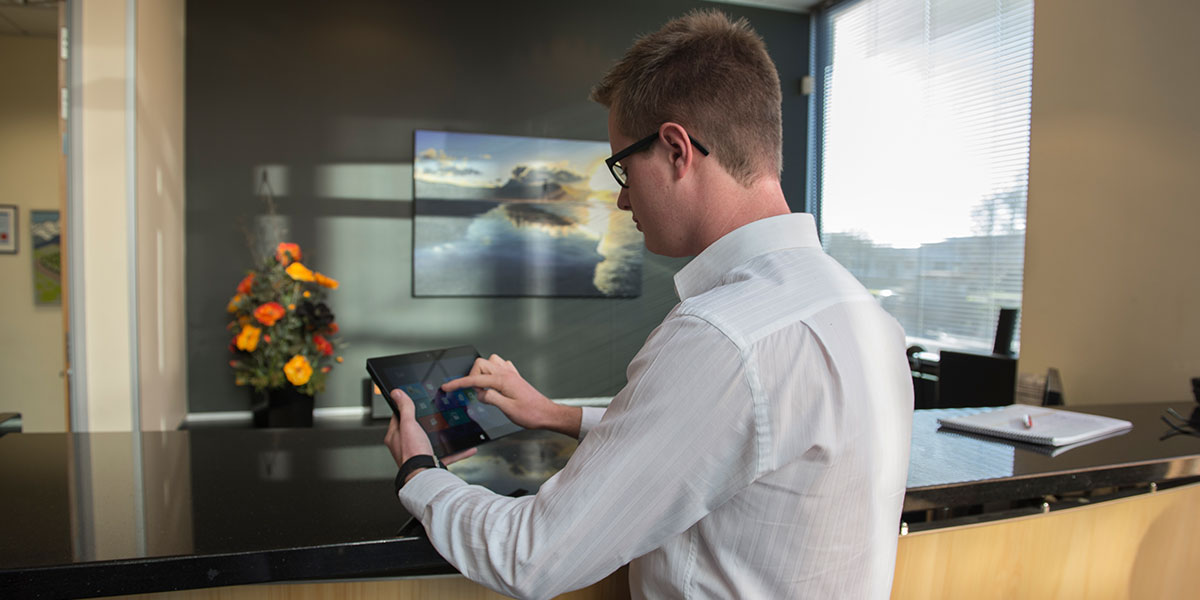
(921, 157)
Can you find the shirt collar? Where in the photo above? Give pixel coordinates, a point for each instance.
(794, 230)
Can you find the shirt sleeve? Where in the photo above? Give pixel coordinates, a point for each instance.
(674, 444)
(591, 418)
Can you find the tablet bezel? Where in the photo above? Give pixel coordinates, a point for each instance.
(379, 366)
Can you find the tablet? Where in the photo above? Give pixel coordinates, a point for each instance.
(454, 421)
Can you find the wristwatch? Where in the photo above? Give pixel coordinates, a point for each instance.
(420, 461)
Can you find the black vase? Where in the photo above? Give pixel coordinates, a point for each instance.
(283, 407)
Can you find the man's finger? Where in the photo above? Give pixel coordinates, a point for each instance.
(481, 365)
(479, 380)
(404, 403)
(495, 398)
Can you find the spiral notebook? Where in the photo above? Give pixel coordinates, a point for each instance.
(1037, 425)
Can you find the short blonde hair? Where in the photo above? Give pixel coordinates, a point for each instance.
(711, 75)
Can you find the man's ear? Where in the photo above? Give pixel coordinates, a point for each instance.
(681, 150)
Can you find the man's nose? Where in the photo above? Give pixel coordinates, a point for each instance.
(623, 200)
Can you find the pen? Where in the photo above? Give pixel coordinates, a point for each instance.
(1027, 419)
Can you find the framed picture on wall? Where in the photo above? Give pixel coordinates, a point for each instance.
(47, 257)
(8, 229)
(497, 215)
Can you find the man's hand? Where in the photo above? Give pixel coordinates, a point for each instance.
(498, 383)
(405, 438)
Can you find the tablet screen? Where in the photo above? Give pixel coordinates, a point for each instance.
(454, 421)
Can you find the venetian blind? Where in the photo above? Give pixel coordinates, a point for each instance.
(921, 144)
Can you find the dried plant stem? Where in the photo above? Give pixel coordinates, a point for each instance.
(268, 195)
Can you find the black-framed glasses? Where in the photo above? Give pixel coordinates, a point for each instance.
(618, 172)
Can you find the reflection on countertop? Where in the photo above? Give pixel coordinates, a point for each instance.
(120, 513)
(77, 498)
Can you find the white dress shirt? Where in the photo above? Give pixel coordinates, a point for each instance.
(758, 450)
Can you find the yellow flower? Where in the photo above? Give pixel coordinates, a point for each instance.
(328, 282)
(291, 307)
(307, 294)
(298, 370)
(299, 272)
(233, 302)
(248, 339)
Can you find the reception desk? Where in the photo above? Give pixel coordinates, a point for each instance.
(102, 514)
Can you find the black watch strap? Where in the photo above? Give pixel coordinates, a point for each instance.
(420, 461)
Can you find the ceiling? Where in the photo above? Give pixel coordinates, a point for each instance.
(39, 18)
(788, 5)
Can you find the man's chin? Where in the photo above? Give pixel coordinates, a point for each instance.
(660, 249)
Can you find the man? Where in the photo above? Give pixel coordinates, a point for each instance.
(760, 446)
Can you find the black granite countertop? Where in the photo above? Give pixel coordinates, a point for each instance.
(217, 507)
(100, 514)
(950, 468)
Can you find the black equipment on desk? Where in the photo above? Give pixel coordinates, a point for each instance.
(1052, 393)
(1194, 418)
(967, 379)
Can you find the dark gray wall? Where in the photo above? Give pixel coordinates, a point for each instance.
(329, 94)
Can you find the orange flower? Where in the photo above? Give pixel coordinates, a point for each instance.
(339, 359)
(326, 369)
(291, 307)
(233, 302)
(285, 253)
(244, 286)
(299, 272)
(307, 294)
(328, 282)
(323, 345)
(298, 370)
(266, 339)
(270, 312)
(248, 339)
(333, 328)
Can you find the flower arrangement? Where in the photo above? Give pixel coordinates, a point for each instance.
(281, 325)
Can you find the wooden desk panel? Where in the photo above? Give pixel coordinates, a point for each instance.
(1139, 547)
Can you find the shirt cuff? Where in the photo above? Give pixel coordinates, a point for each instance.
(591, 418)
(424, 487)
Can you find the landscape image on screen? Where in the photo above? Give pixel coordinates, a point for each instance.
(518, 216)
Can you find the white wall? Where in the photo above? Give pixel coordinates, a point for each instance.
(31, 337)
(106, 232)
(1112, 265)
(114, 367)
